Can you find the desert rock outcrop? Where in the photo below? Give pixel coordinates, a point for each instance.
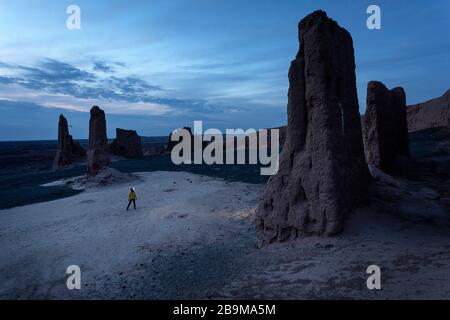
(322, 172)
(431, 114)
(385, 127)
(68, 151)
(98, 157)
(127, 144)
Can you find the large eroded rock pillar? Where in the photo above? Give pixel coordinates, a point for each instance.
(68, 151)
(98, 157)
(385, 125)
(322, 173)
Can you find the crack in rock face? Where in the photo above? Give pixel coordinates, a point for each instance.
(323, 175)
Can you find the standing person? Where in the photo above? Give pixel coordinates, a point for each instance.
(132, 198)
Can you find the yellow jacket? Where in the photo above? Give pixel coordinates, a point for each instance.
(132, 195)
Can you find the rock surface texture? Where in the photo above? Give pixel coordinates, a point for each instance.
(68, 151)
(385, 127)
(322, 173)
(431, 114)
(127, 144)
(98, 157)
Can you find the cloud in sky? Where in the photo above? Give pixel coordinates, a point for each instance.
(103, 67)
(57, 77)
(54, 81)
(33, 96)
(223, 61)
(32, 121)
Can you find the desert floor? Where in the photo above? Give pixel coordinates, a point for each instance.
(193, 237)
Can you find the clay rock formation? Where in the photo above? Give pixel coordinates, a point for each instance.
(385, 127)
(97, 155)
(127, 144)
(431, 114)
(322, 171)
(68, 151)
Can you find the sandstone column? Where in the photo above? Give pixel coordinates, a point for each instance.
(98, 143)
(68, 151)
(322, 174)
(385, 125)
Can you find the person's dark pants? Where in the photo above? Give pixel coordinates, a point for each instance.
(129, 204)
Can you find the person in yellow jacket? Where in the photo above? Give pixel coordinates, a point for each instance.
(132, 198)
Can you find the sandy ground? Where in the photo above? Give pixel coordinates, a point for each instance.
(193, 237)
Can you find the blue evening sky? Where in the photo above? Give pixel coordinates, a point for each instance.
(154, 66)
